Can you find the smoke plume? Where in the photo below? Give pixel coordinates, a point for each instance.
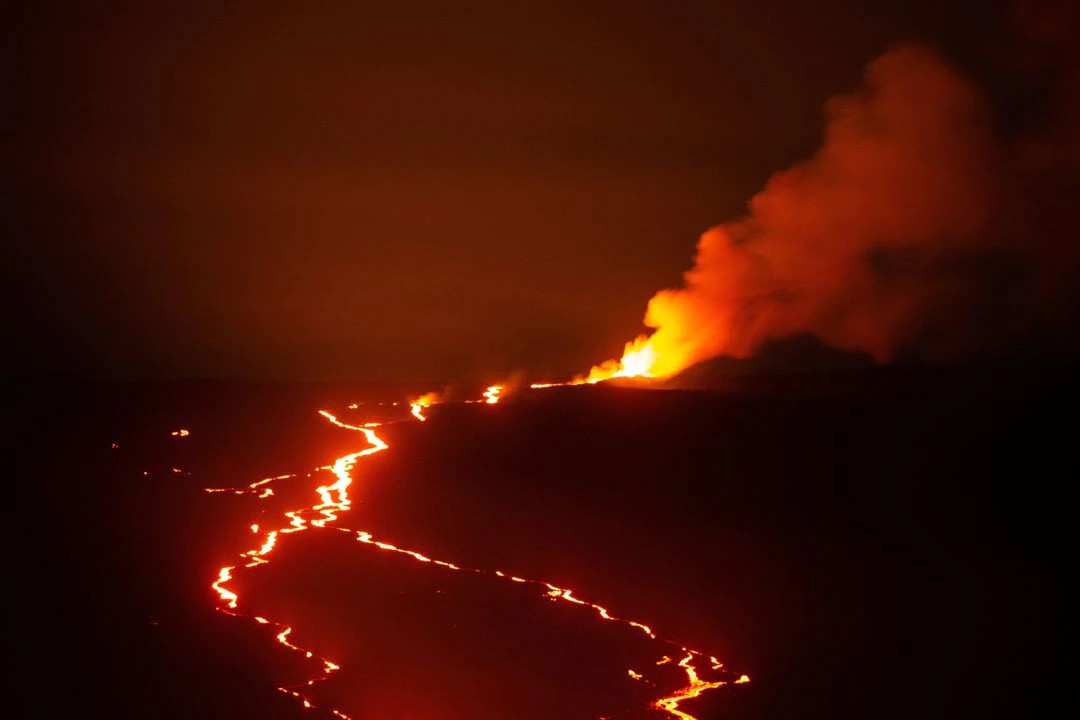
(899, 235)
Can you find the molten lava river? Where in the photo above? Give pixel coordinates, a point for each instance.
(637, 673)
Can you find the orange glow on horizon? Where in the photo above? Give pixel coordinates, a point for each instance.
(637, 361)
(642, 358)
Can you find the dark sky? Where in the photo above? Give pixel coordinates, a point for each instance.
(427, 191)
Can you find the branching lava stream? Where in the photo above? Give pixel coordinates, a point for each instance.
(333, 501)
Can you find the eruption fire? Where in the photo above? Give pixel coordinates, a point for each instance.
(639, 360)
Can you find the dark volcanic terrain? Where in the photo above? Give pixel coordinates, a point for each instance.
(867, 544)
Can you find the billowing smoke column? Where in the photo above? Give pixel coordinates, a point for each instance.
(888, 239)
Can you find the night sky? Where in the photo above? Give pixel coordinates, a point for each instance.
(421, 191)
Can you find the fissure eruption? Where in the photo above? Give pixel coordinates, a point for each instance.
(914, 230)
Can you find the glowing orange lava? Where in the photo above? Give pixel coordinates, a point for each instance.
(491, 395)
(695, 686)
(333, 499)
(416, 407)
(640, 359)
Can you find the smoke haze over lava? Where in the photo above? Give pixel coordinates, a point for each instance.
(903, 235)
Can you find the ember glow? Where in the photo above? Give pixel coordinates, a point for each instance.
(332, 501)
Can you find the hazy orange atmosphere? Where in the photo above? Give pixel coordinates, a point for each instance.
(378, 194)
(562, 360)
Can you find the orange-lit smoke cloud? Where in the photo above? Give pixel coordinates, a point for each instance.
(885, 240)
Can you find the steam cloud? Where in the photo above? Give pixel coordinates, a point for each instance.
(912, 229)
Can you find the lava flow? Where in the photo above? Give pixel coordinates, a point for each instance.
(333, 500)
